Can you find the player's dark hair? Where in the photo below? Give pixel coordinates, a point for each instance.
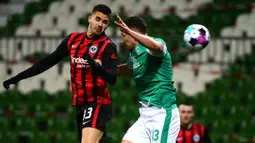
(188, 101)
(138, 23)
(103, 9)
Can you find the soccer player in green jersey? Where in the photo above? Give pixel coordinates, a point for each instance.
(151, 66)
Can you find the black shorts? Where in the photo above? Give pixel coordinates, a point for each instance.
(93, 115)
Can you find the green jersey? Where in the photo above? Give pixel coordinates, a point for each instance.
(153, 76)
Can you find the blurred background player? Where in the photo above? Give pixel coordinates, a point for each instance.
(93, 64)
(152, 70)
(238, 138)
(191, 132)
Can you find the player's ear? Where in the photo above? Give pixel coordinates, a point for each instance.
(89, 18)
(107, 25)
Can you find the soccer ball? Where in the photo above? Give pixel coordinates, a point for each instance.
(196, 37)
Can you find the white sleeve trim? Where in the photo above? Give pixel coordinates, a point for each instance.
(156, 54)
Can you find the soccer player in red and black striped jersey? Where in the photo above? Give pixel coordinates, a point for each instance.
(93, 65)
(191, 132)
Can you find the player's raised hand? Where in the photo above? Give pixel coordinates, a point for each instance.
(122, 26)
(98, 61)
(6, 84)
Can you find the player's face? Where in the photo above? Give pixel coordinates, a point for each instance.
(186, 114)
(98, 22)
(128, 41)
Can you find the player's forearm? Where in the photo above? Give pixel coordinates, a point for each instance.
(36, 69)
(108, 75)
(123, 70)
(147, 41)
(107, 70)
(43, 64)
(32, 71)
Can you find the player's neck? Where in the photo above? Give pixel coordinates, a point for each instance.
(187, 126)
(89, 33)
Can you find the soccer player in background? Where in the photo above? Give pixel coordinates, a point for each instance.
(191, 132)
(151, 66)
(242, 139)
(93, 65)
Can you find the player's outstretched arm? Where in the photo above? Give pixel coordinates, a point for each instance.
(108, 70)
(123, 70)
(41, 66)
(151, 44)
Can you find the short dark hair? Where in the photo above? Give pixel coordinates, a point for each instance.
(138, 23)
(103, 9)
(188, 101)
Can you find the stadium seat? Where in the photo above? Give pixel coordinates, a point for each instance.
(63, 97)
(37, 97)
(250, 129)
(55, 125)
(57, 82)
(80, 28)
(42, 18)
(173, 19)
(18, 109)
(30, 10)
(222, 128)
(41, 137)
(25, 31)
(41, 122)
(25, 124)
(79, 9)
(66, 21)
(11, 96)
(66, 109)
(8, 137)
(115, 129)
(5, 125)
(13, 22)
(66, 137)
(45, 109)
(51, 32)
(57, 8)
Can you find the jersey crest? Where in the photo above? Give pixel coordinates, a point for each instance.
(93, 49)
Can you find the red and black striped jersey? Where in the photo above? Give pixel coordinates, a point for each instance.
(196, 134)
(87, 76)
(87, 85)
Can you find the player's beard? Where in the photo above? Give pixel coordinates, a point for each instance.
(98, 30)
(94, 30)
(187, 126)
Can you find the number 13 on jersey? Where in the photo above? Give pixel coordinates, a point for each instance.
(155, 135)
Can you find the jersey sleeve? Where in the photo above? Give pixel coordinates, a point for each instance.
(164, 50)
(44, 64)
(108, 70)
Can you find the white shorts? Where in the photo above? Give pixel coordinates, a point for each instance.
(155, 126)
